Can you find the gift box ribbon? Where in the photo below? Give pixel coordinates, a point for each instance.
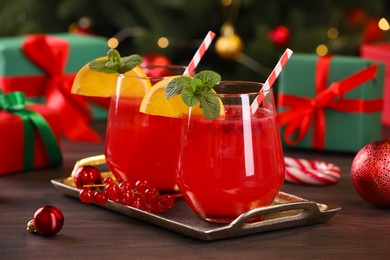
(74, 110)
(305, 111)
(14, 103)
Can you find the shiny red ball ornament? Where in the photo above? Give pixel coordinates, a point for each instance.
(48, 220)
(279, 36)
(152, 65)
(372, 32)
(370, 172)
(355, 16)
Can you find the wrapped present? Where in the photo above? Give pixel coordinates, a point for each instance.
(45, 66)
(330, 103)
(380, 52)
(29, 135)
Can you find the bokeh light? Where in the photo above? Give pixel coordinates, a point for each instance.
(322, 50)
(113, 43)
(163, 42)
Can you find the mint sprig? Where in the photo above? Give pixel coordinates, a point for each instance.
(197, 90)
(115, 63)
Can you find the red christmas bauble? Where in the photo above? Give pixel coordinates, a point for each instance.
(48, 220)
(372, 32)
(370, 173)
(152, 65)
(355, 16)
(279, 36)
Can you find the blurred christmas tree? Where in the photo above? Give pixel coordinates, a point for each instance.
(252, 34)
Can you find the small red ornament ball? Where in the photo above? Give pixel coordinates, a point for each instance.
(48, 220)
(370, 173)
(279, 36)
(356, 16)
(153, 65)
(372, 32)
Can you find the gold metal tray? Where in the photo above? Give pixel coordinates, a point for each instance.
(286, 211)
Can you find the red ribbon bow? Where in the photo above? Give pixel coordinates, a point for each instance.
(304, 111)
(74, 110)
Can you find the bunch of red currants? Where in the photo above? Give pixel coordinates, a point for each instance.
(140, 195)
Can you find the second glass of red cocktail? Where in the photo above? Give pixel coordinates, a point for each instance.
(233, 163)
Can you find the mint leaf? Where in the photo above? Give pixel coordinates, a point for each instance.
(197, 90)
(113, 56)
(176, 86)
(197, 85)
(115, 64)
(188, 96)
(100, 66)
(209, 78)
(209, 103)
(129, 63)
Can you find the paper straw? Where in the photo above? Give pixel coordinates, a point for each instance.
(271, 79)
(199, 53)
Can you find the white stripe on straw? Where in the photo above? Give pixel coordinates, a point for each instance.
(199, 53)
(271, 79)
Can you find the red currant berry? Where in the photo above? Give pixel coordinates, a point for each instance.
(138, 201)
(87, 175)
(151, 195)
(126, 197)
(141, 186)
(100, 197)
(108, 180)
(113, 191)
(125, 185)
(152, 208)
(86, 195)
(165, 202)
(47, 221)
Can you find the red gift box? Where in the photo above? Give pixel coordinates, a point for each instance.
(29, 136)
(381, 52)
(43, 59)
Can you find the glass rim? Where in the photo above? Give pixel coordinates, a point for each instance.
(154, 78)
(237, 83)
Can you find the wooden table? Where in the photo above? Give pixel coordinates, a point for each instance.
(358, 231)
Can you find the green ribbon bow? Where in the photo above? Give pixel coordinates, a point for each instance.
(14, 103)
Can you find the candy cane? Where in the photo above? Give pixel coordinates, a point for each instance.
(199, 53)
(311, 172)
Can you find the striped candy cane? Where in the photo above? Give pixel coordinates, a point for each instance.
(311, 172)
(199, 53)
(271, 79)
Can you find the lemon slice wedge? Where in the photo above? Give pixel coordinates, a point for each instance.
(156, 103)
(98, 84)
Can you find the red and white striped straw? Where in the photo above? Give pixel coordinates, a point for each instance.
(271, 79)
(199, 53)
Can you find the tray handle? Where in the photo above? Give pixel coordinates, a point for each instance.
(292, 213)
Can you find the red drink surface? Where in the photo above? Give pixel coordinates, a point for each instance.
(216, 174)
(140, 146)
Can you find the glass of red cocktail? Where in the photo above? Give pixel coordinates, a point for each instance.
(141, 146)
(233, 163)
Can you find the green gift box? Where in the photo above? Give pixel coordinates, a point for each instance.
(44, 66)
(330, 103)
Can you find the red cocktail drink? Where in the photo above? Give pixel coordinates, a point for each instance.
(234, 163)
(139, 146)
